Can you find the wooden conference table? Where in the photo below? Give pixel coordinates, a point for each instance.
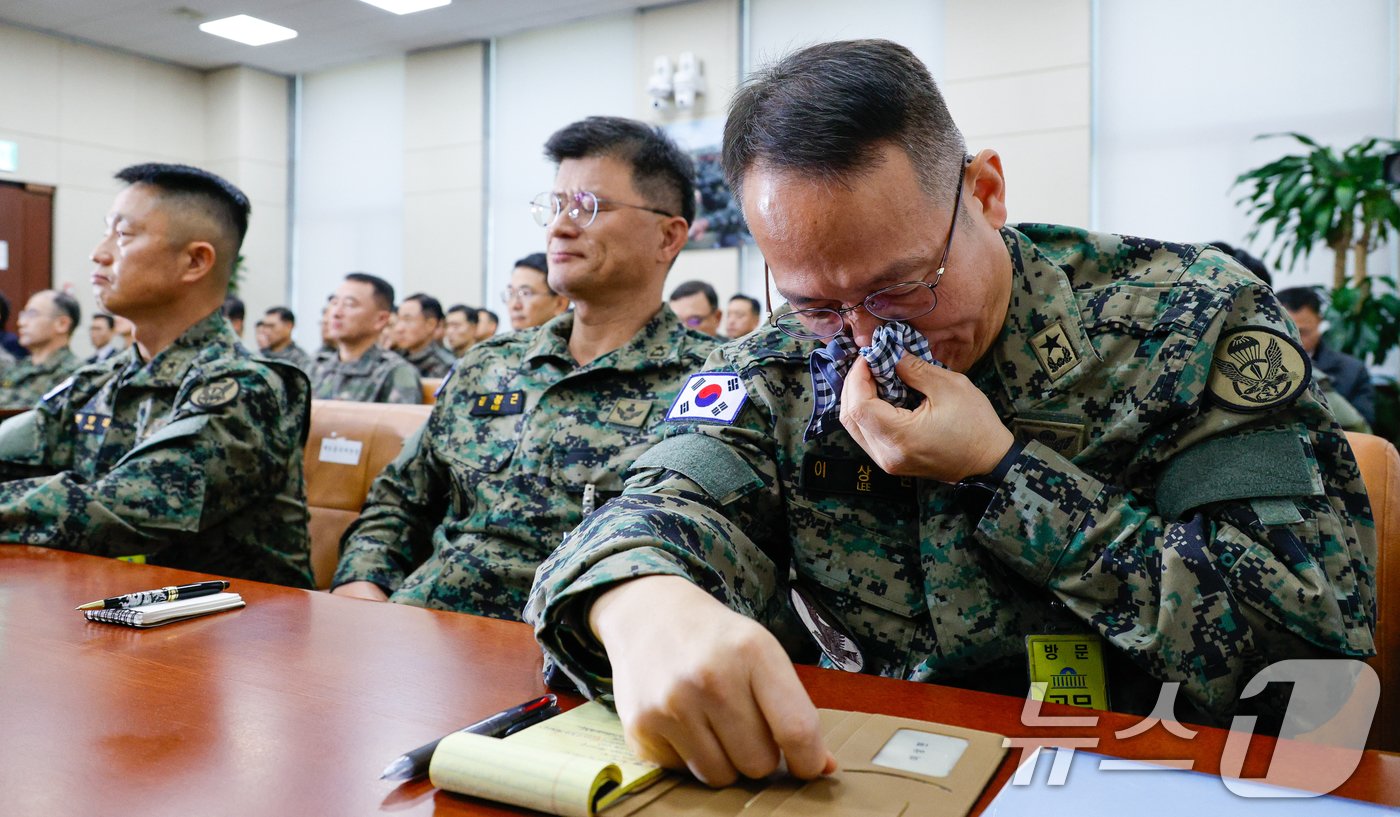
(294, 704)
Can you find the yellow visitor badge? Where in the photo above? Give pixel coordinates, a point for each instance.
(135, 558)
(1068, 669)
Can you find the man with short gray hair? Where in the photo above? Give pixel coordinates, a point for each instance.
(46, 327)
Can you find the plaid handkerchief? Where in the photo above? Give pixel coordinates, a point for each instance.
(828, 367)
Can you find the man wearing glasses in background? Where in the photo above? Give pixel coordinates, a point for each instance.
(536, 429)
(697, 304)
(1119, 439)
(528, 299)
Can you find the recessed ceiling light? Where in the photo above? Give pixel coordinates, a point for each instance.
(407, 6)
(247, 30)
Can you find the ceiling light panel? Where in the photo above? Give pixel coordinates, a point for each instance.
(247, 30)
(407, 6)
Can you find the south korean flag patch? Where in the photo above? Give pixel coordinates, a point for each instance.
(714, 397)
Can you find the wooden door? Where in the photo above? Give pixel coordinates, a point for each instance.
(26, 228)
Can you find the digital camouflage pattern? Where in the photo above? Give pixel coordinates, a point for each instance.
(24, 382)
(1203, 543)
(519, 439)
(192, 460)
(434, 361)
(377, 377)
(291, 353)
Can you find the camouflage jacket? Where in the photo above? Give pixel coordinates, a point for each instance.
(377, 377)
(434, 361)
(24, 382)
(191, 460)
(521, 439)
(1201, 540)
(292, 354)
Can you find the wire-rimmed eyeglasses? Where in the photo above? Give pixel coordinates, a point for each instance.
(582, 207)
(897, 302)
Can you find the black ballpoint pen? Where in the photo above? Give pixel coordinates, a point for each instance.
(415, 763)
(184, 591)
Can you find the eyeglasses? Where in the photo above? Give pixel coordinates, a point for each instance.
(897, 302)
(695, 320)
(582, 207)
(525, 294)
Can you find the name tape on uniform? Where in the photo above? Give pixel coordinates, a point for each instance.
(500, 402)
(714, 397)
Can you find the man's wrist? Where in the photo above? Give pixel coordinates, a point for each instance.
(975, 493)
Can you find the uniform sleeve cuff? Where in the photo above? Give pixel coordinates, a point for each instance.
(1038, 511)
(565, 633)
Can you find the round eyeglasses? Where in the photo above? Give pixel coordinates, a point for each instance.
(582, 207)
(525, 294)
(898, 302)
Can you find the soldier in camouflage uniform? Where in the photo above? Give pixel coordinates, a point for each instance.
(359, 370)
(535, 429)
(1126, 443)
(45, 328)
(274, 334)
(183, 450)
(420, 317)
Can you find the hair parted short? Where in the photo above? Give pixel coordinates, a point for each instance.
(383, 290)
(689, 288)
(468, 312)
(214, 194)
(430, 306)
(662, 172)
(826, 111)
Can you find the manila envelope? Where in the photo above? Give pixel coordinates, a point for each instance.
(890, 767)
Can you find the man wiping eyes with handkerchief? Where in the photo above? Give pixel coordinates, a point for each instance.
(1004, 457)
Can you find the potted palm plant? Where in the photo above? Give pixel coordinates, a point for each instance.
(1343, 201)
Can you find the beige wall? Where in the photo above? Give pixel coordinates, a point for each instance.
(710, 28)
(1016, 79)
(80, 113)
(444, 143)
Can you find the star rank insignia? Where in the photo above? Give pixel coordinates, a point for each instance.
(1055, 352)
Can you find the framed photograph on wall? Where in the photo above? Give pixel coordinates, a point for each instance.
(718, 219)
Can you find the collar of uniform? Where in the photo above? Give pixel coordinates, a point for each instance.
(366, 363)
(420, 357)
(62, 358)
(658, 343)
(1041, 296)
(168, 368)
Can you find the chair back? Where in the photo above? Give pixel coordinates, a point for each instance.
(349, 444)
(430, 388)
(1380, 470)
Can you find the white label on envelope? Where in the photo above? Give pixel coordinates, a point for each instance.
(922, 753)
(340, 450)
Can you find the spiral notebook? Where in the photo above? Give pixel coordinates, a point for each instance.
(165, 612)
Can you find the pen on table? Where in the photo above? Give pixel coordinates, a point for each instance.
(184, 591)
(415, 763)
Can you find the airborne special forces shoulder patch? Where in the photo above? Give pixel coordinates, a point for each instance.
(1256, 368)
(220, 392)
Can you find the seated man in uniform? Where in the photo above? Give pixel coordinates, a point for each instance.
(1124, 443)
(274, 333)
(416, 335)
(535, 429)
(183, 450)
(459, 329)
(46, 326)
(358, 369)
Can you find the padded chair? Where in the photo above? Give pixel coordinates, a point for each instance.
(349, 444)
(430, 387)
(1380, 470)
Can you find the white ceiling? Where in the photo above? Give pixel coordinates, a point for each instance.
(330, 32)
